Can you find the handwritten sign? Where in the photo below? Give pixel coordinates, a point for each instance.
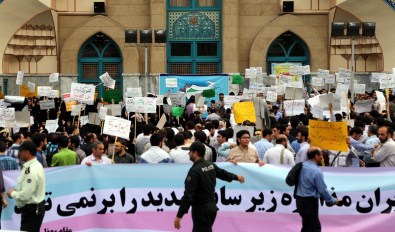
(14, 99)
(359, 88)
(375, 78)
(53, 77)
(117, 127)
(51, 125)
(345, 73)
(4, 104)
(177, 111)
(69, 105)
(249, 94)
(19, 78)
(84, 120)
(159, 100)
(293, 93)
(7, 114)
(280, 90)
(75, 110)
(103, 112)
(107, 80)
(43, 91)
(83, 93)
(23, 118)
(266, 89)
(244, 111)
(294, 107)
(47, 105)
(116, 109)
(66, 97)
(322, 73)
(94, 119)
(363, 106)
(250, 73)
(271, 96)
(316, 81)
(256, 86)
(330, 79)
(229, 100)
(171, 82)
(177, 99)
(386, 81)
(341, 89)
(53, 94)
(31, 86)
(141, 104)
(328, 135)
(295, 70)
(133, 92)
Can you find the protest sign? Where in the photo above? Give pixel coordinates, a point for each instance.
(177, 111)
(161, 122)
(75, 110)
(19, 78)
(53, 94)
(133, 92)
(345, 73)
(116, 109)
(14, 99)
(51, 125)
(386, 81)
(7, 114)
(249, 94)
(47, 104)
(250, 73)
(107, 80)
(256, 86)
(294, 107)
(53, 77)
(83, 93)
(16, 127)
(43, 91)
(244, 111)
(305, 69)
(375, 78)
(167, 109)
(317, 81)
(66, 97)
(231, 99)
(295, 83)
(31, 86)
(94, 119)
(342, 89)
(330, 79)
(296, 70)
(322, 73)
(381, 100)
(69, 105)
(328, 135)
(141, 104)
(280, 89)
(103, 112)
(363, 106)
(200, 101)
(171, 82)
(325, 100)
(266, 89)
(4, 104)
(25, 91)
(84, 120)
(159, 100)
(293, 93)
(271, 96)
(359, 88)
(202, 109)
(117, 127)
(177, 99)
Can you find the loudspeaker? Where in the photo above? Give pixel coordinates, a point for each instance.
(353, 28)
(99, 7)
(369, 29)
(146, 36)
(130, 36)
(160, 36)
(337, 29)
(288, 6)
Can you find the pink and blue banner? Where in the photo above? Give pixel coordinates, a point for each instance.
(146, 198)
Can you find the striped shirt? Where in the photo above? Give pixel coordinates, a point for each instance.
(13, 152)
(8, 163)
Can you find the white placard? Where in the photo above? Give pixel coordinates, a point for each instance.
(229, 100)
(341, 89)
(43, 91)
(322, 73)
(305, 69)
(294, 93)
(176, 99)
(280, 90)
(250, 73)
(314, 101)
(200, 101)
(107, 80)
(84, 120)
(75, 110)
(103, 113)
(249, 94)
(47, 105)
(381, 100)
(359, 88)
(339, 79)
(16, 128)
(4, 104)
(31, 86)
(23, 118)
(141, 104)
(116, 109)
(31, 120)
(271, 96)
(53, 77)
(161, 122)
(51, 125)
(317, 81)
(7, 114)
(297, 83)
(266, 89)
(345, 73)
(295, 70)
(14, 99)
(133, 92)
(294, 107)
(363, 106)
(375, 78)
(330, 79)
(159, 100)
(117, 127)
(256, 86)
(201, 109)
(94, 119)
(171, 82)
(386, 81)
(283, 80)
(83, 93)
(325, 99)
(19, 78)
(53, 94)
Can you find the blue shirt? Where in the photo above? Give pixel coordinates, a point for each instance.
(295, 145)
(311, 183)
(8, 163)
(360, 146)
(262, 146)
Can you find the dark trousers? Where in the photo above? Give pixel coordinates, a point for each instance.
(32, 217)
(308, 210)
(203, 217)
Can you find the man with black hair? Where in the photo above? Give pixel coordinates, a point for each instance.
(30, 192)
(302, 138)
(155, 154)
(64, 157)
(385, 152)
(13, 151)
(210, 153)
(265, 143)
(279, 153)
(7, 163)
(40, 140)
(310, 188)
(243, 152)
(75, 146)
(96, 158)
(121, 156)
(200, 190)
(89, 139)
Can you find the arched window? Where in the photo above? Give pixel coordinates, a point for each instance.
(98, 55)
(287, 48)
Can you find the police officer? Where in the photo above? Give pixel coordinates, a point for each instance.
(30, 192)
(200, 190)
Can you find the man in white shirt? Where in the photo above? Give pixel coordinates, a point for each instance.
(302, 138)
(178, 155)
(279, 154)
(155, 154)
(385, 152)
(96, 158)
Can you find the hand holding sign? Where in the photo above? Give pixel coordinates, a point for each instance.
(117, 127)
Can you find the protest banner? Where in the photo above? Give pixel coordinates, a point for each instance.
(249, 94)
(330, 79)
(93, 119)
(359, 88)
(117, 127)
(266, 89)
(171, 82)
(271, 96)
(244, 111)
(53, 77)
(363, 106)
(14, 99)
(375, 78)
(250, 73)
(133, 92)
(294, 93)
(141, 104)
(51, 125)
(7, 114)
(294, 107)
(341, 89)
(84, 120)
(322, 73)
(19, 78)
(99, 199)
(328, 135)
(229, 100)
(386, 81)
(47, 104)
(159, 100)
(177, 99)
(177, 111)
(43, 91)
(82, 93)
(53, 94)
(75, 110)
(317, 81)
(256, 86)
(31, 86)
(107, 80)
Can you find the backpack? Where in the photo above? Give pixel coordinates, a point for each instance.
(292, 178)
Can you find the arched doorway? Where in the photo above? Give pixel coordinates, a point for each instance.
(287, 48)
(98, 55)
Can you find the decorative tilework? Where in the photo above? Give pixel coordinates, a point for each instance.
(391, 3)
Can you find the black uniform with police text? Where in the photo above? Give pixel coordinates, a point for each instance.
(200, 193)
